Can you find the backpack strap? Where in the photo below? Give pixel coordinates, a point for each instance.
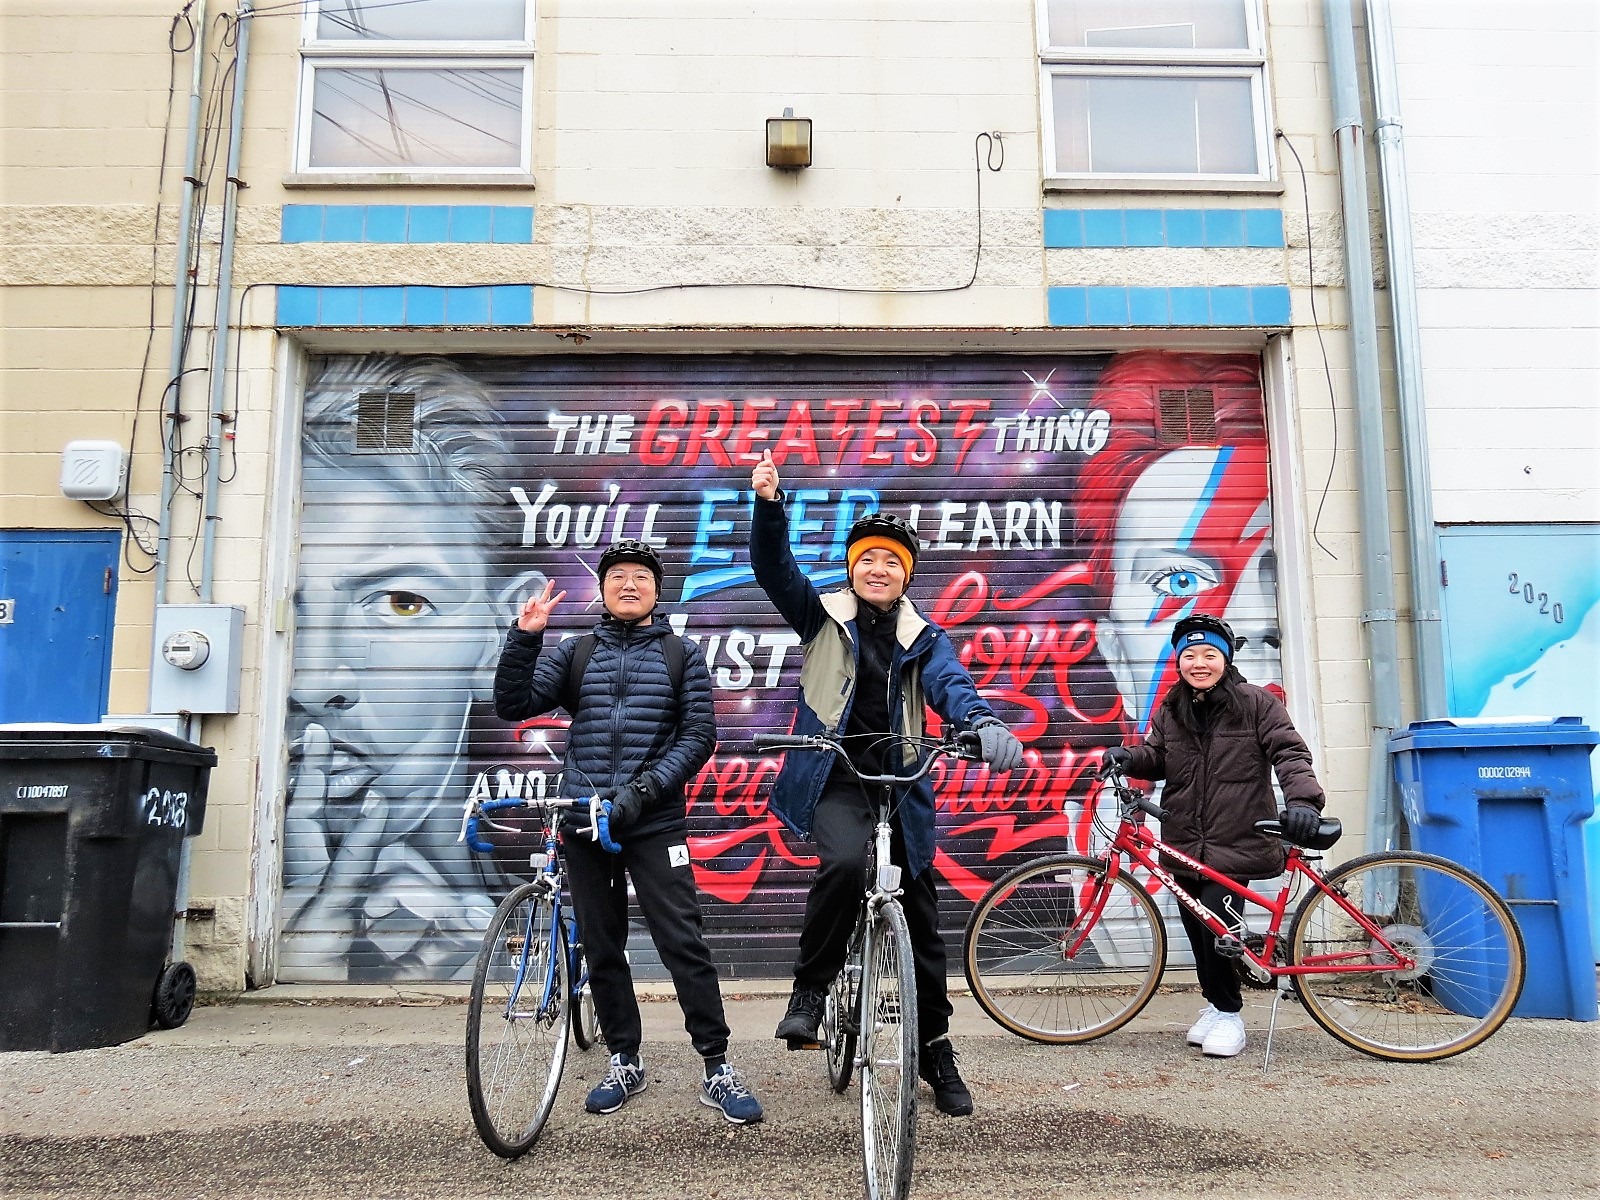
(583, 651)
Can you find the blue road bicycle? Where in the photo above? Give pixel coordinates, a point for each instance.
(530, 988)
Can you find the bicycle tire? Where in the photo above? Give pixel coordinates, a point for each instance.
(517, 1022)
(585, 1017)
(839, 1029)
(1014, 951)
(1469, 951)
(888, 1055)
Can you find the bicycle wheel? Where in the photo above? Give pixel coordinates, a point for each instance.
(1019, 936)
(838, 1032)
(1468, 954)
(888, 1020)
(517, 1022)
(585, 1017)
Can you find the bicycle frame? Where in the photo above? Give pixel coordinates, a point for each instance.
(1135, 840)
(552, 876)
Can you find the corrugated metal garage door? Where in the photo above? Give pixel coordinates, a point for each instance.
(1071, 508)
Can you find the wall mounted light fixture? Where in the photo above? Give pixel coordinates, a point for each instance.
(788, 141)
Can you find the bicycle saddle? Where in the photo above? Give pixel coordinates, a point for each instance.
(1329, 832)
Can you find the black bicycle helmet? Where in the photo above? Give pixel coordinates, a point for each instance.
(884, 525)
(634, 551)
(1203, 628)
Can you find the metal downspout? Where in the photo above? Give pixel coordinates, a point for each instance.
(170, 408)
(1422, 541)
(1377, 574)
(223, 324)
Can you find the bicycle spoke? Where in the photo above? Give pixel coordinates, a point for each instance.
(517, 1022)
(1440, 974)
(888, 1057)
(1042, 965)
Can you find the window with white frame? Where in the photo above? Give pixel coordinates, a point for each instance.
(1165, 89)
(418, 88)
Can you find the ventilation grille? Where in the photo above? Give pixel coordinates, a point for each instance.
(1188, 417)
(386, 422)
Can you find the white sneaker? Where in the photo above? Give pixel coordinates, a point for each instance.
(1226, 1038)
(1197, 1032)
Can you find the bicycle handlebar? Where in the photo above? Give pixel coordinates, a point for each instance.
(1129, 796)
(480, 811)
(963, 745)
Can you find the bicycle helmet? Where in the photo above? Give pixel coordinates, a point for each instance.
(882, 531)
(1202, 629)
(634, 551)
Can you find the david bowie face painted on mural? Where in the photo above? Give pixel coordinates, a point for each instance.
(1194, 536)
(391, 639)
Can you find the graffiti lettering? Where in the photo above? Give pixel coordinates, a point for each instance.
(862, 432)
(1083, 432)
(546, 524)
(595, 433)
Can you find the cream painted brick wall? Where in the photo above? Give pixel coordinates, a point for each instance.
(649, 163)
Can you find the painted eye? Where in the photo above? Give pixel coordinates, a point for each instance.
(1181, 582)
(406, 604)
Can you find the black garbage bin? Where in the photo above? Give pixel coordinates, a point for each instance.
(92, 822)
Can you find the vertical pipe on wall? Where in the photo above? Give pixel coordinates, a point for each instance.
(1377, 569)
(1422, 542)
(222, 324)
(170, 407)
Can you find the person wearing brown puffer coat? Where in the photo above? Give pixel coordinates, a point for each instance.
(1217, 741)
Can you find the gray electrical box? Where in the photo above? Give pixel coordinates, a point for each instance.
(195, 664)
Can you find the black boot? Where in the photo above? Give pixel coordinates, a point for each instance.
(937, 1066)
(799, 1024)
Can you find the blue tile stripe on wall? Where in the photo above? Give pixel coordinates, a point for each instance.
(502, 224)
(1127, 307)
(1100, 228)
(398, 306)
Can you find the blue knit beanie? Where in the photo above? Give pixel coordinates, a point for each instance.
(1206, 637)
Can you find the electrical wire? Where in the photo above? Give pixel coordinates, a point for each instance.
(1316, 324)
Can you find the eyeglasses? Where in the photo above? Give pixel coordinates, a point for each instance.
(619, 575)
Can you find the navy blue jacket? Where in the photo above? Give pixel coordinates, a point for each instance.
(630, 720)
(924, 671)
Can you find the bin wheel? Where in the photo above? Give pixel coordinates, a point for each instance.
(174, 999)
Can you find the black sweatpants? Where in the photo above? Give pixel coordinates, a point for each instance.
(842, 829)
(663, 881)
(1219, 979)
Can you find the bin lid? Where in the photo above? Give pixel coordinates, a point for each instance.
(30, 739)
(1445, 733)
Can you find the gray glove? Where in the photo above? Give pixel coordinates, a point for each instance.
(1300, 823)
(998, 746)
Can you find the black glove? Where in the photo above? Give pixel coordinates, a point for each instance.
(1300, 823)
(628, 805)
(1114, 758)
(998, 746)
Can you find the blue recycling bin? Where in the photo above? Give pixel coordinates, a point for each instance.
(1508, 799)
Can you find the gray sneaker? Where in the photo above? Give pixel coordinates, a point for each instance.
(624, 1079)
(726, 1091)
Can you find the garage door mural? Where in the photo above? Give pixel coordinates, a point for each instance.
(1071, 508)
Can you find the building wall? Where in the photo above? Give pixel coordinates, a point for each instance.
(648, 167)
(1502, 137)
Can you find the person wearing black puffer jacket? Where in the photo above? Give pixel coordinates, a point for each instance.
(1217, 741)
(636, 739)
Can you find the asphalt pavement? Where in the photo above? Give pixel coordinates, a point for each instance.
(299, 1091)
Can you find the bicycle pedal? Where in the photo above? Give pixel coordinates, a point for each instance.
(1230, 947)
(804, 1044)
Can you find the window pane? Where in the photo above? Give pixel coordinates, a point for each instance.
(1145, 125)
(1150, 24)
(416, 117)
(422, 20)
